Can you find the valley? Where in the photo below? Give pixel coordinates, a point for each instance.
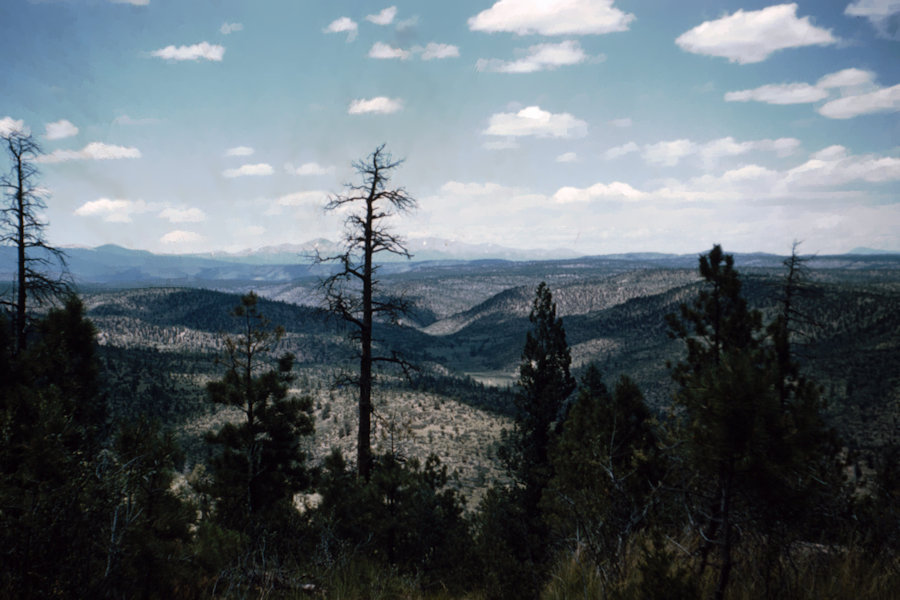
(465, 335)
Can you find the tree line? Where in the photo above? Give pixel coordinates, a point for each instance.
(737, 491)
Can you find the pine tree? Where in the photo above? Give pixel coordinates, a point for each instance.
(543, 387)
(749, 431)
(607, 469)
(512, 537)
(262, 462)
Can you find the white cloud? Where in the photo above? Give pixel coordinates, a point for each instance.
(668, 153)
(342, 25)
(229, 28)
(93, 151)
(303, 198)
(239, 151)
(204, 50)
(386, 51)
(540, 57)
(882, 100)
(433, 50)
(622, 150)
(456, 188)
(60, 129)
(751, 36)
(599, 191)
(179, 236)
(804, 93)
(567, 157)
(786, 93)
(559, 17)
(534, 121)
(847, 78)
(385, 17)
(834, 166)
(311, 168)
(883, 14)
(714, 150)
(9, 125)
(111, 210)
(623, 122)
(183, 215)
(873, 8)
(132, 2)
(379, 105)
(244, 170)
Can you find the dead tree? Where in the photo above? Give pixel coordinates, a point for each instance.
(41, 272)
(352, 292)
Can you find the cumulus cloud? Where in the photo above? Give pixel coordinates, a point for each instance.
(623, 122)
(804, 93)
(882, 100)
(239, 151)
(111, 210)
(616, 191)
(786, 93)
(535, 121)
(622, 150)
(204, 50)
(313, 197)
(669, 153)
(310, 168)
(93, 151)
(378, 105)
(883, 14)
(434, 50)
(182, 215)
(343, 25)
(539, 57)
(457, 188)
(245, 170)
(859, 94)
(751, 36)
(567, 157)
(229, 28)
(180, 236)
(386, 51)
(559, 17)
(9, 125)
(847, 78)
(60, 129)
(385, 17)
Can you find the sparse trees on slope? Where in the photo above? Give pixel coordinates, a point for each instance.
(23, 228)
(352, 293)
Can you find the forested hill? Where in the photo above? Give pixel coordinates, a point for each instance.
(470, 321)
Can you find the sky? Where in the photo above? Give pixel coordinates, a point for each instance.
(598, 126)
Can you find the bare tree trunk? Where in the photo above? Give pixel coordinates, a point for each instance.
(22, 289)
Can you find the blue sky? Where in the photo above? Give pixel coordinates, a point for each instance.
(595, 125)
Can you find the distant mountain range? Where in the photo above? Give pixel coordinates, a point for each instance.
(118, 266)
